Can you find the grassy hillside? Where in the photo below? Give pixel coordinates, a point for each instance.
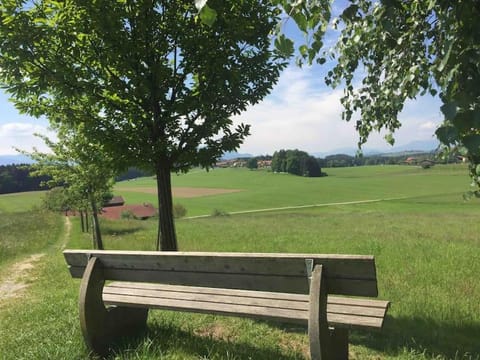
(426, 245)
(262, 189)
(24, 233)
(20, 202)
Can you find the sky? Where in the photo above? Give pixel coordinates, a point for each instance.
(301, 112)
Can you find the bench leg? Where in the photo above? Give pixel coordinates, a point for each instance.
(339, 338)
(101, 326)
(318, 332)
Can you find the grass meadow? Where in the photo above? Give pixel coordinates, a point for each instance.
(425, 238)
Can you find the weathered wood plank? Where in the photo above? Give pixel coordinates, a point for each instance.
(99, 325)
(243, 298)
(318, 333)
(267, 313)
(359, 302)
(343, 312)
(217, 298)
(260, 294)
(337, 266)
(206, 307)
(298, 285)
(96, 253)
(207, 290)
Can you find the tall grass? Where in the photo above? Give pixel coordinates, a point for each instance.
(20, 202)
(24, 233)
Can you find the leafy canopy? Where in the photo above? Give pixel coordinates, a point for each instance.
(154, 82)
(145, 77)
(393, 50)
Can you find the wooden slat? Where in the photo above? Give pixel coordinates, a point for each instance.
(343, 312)
(338, 266)
(216, 298)
(345, 274)
(207, 307)
(260, 294)
(272, 283)
(354, 321)
(360, 302)
(226, 296)
(207, 290)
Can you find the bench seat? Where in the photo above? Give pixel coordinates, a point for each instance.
(342, 312)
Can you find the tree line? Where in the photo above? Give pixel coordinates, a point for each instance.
(16, 178)
(295, 162)
(300, 163)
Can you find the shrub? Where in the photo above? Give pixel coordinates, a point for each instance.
(128, 214)
(219, 212)
(179, 211)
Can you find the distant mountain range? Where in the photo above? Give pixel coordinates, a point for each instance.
(234, 155)
(411, 147)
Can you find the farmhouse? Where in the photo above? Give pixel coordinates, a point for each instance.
(115, 209)
(115, 201)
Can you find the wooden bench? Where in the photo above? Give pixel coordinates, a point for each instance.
(296, 288)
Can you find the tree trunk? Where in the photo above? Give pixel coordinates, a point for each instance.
(82, 222)
(97, 235)
(166, 237)
(87, 225)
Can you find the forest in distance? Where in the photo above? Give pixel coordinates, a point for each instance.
(15, 178)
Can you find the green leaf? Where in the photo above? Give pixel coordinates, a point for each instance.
(472, 143)
(208, 16)
(445, 59)
(449, 110)
(301, 21)
(284, 45)
(447, 134)
(390, 139)
(350, 12)
(303, 50)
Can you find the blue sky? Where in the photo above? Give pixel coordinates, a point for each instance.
(301, 112)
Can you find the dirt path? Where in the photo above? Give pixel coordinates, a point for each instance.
(12, 284)
(66, 232)
(13, 281)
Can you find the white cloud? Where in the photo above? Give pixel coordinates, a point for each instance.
(302, 113)
(20, 135)
(429, 125)
(295, 115)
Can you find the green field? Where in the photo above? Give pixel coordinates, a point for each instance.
(20, 202)
(262, 189)
(425, 238)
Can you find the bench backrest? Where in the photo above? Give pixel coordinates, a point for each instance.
(345, 274)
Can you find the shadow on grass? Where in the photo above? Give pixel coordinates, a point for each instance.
(417, 336)
(423, 336)
(159, 341)
(400, 336)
